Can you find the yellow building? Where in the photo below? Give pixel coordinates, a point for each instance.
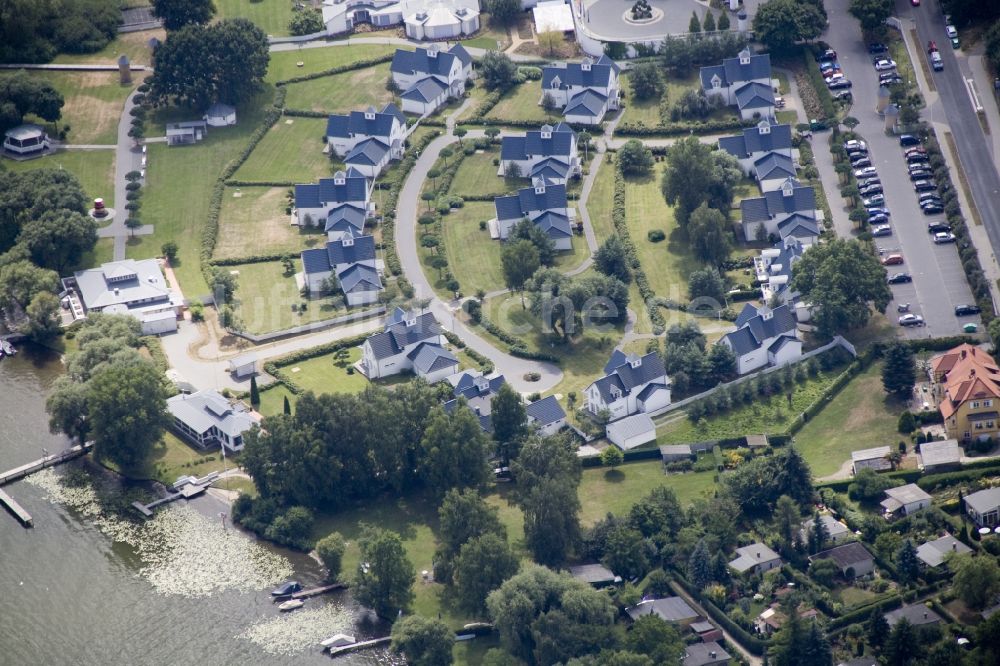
(968, 382)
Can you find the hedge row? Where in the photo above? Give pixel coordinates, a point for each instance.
(521, 351)
(941, 344)
(339, 69)
(621, 226)
(260, 183)
(251, 259)
(517, 347)
(819, 85)
(389, 207)
(674, 129)
(864, 612)
(320, 350)
(306, 113)
(985, 468)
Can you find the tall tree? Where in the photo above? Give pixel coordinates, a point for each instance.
(330, 550)
(695, 175)
(482, 565)
(548, 475)
(503, 11)
(462, 516)
(254, 392)
(634, 158)
(127, 410)
(178, 13)
(899, 372)
(528, 230)
(519, 261)
(385, 575)
(977, 579)
(871, 13)
(498, 71)
(625, 552)
(422, 641)
(646, 80)
(844, 281)
(705, 284)
(699, 566)
(786, 519)
(877, 629)
(21, 94)
(510, 422)
(710, 234)
(21, 281)
(58, 239)
(611, 259)
(779, 24)
(907, 564)
(818, 535)
(455, 451)
(903, 646)
(43, 317)
(656, 639)
(67, 408)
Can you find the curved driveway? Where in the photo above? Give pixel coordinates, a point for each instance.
(512, 367)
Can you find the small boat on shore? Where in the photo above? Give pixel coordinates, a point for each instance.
(286, 589)
(6, 349)
(338, 640)
(291, 605)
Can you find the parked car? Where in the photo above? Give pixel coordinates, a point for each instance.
(932, 208)
(889, 79)
(929, 196)
(881, 230)
(966, 310)
(936, 62)
(951, 32)
(829, 66)
(828, 54)
(861, 161)
(833, 76)
(839, 84)
(908, 140)
(938, 226)
(866, 172)
(899, 278)
(954, 42)
(855, 144)
(877, 47)
(892, 260)
(921, 174)
(916, 150)
(873, 200)
(870, 190)
(865, 182)
(884, 64)
(917, 158)
(911, 319)
(878, 210)
(924, 186)
(878, 218)
(942, 237)
(845, 95)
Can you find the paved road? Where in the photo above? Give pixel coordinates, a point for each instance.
(938, 279)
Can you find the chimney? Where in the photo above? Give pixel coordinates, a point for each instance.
(117, 291)
(954, 546)
(712, 654)
(925, 615)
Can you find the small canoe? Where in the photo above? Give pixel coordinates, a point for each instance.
(291, 605)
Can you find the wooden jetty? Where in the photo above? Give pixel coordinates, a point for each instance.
(48, 461)
(16, 509)
(316, 591)
(187, 492)
(354, 647)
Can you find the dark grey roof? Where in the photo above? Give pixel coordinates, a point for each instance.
(586, 103)
(351, 251)
(781, 342)
(933, 553)
(528, 201)
(754, 95)
(848, 555)
(556, 225)
(773, 203)
(592, 574)
(368, 152)
(670, 609)
(650, 389)
(315, 260)
(420, 62)
(754, 327)
(327, 191)
(356, 124)
(430, 357)
(917, 614)
(746, 314)
(625, 377)
(358, 278)
(532, 144)
(774, 165)
(798, 226)
(984, 500)
(617, 358)
(753, 140)
(481, 407)
(545, 411)
(345, 217)
(732, 71)
(700, 654)
(401, 332)
(551, 168)
(426, 89)
(573, 74)
(459, 52)
(471, 386)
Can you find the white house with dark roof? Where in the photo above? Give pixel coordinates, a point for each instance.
(755, 558)
(983, 507)
(429, 77)
(631, 431)
(550, 153)
(772, 170)
(905, 500)
(852, 558)
(411, 342)
(352, 260)
(743, 82)
(755, 142)
(367, 140)
(314, 202)
(26, 139)
(585, 90)
(836, 531)
(132, 287)
(345, 220)
(668, 609)
(933, 553)
(209, 419)
(477, 390)
(631, 384)
(764, 336)
(786, 211)
(543, 203)
(220, 115)
(422, 19)
(773, 268)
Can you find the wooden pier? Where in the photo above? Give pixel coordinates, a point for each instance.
(187, 492)
(48, 461)
(354, 647)
(316, 591)
(16, 509)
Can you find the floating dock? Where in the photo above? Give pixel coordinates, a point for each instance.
(48, 461)
(354, 647)
(16, 509)
(316, 591)
(187, 492)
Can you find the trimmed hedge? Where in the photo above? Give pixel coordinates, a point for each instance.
(251, 259)
(864, 612)
(261, 183)
(674, 129)
(753, 644)
(972, 472)
(339, 69)
(641, 281)
(274, 368)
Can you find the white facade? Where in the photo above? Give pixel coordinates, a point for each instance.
(422, 108)
(630, 432)
(438, 22)
(630, 385)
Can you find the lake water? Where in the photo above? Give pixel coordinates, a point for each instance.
(86, 587)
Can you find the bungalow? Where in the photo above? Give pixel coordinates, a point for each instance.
(836, 531)
(918, 615)
(25, 140)
(411, 342)
(853, 559)
(585, 91)
(756, 559)
(631, 431)
(669, 609)
(876, 458)
(906, 500)
(983, 507)
(441, 21)
(743, 82)
(933, 553)
(940, 456)
(544, 204)
(550, 153)
(596, 575)
(631, 384)
(773, 618)
(315, 201)
(772, 170)
(207, 418)
(352, 261)
(220, 115)
(421, 19)
(547, 415)
(705, 654)
(186, 132)
(428, 77)
(367, 140)
(780, 213)
(764, 336)
(132, 287)
(756, 142)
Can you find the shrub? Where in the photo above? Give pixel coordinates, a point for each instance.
(655, 235)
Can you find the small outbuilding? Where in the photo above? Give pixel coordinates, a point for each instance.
(905, 500)
(836, 531)
(668, 609)
(918, 615)
(675, 452)
(757, 441)
(186, 133)
(25, 140)
(940, 456)
(631, 431)
(876, 458)
(220, 115)
(596, 575)
(244, 365)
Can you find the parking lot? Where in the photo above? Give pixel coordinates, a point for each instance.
(939, 283)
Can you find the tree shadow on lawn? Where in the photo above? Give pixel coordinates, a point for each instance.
(614, 476)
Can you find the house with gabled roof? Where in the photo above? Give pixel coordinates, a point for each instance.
(875, 459)
(411, 342)
(852, 558)
(367, 140)
(543, 203)
(933, 553)
(743, 82)
(772, 170)
(668, 609)
(940, 456)
(764, 336)
(315, 201)
(631, 384)
(550, 153)
(585, 90)
(755, 558)
(773, 268)
(968, 384)
(421, 19)
(905, 500)
(767, 136)
(836, 531)
(209, 419)
(916, 614)
(786, 211)
(352, 261)
(345, 220)
(477, 390)
(428, 77)
(983, 507)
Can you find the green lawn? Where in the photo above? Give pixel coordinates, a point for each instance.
(853, 597)
(179, 189)
(473, 256)
(173, 457)
(133, 44)
(648, 111)
(603, 490)
(95, 169)
(478, 175)
(265, 297)
(103, 252)
(601, 202)
(284, 64)
(521, 103)
(272, 401)
(291, 151)
(255, 223)
(320, 375)
(761, 416)
(861, 416)
(271, 16)
(340, 93)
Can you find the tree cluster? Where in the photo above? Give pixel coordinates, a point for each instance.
(780, 24)
(690, 366)
(634, 158)
(871, 13)
(498, 71)
(694, 105)
(176, 14)
(21, 94)
(611, 259)
(680, 54)
(566, 304)
(647, 81)
(696, 175)
(757, 484)
(201, 64)
(36, 30)
(384, 579)
(796, 644)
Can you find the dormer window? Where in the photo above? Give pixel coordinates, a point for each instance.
(369, 115)
(786, 189)
(767, 314)
(340, 181)
(585, 65)
(546, 131)
(347, 241)
(432, 52)
(616, 392)
(716, 81)
(745, 57)
(540, 189)
(764, 128)
(410, 323)
(635, 363)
